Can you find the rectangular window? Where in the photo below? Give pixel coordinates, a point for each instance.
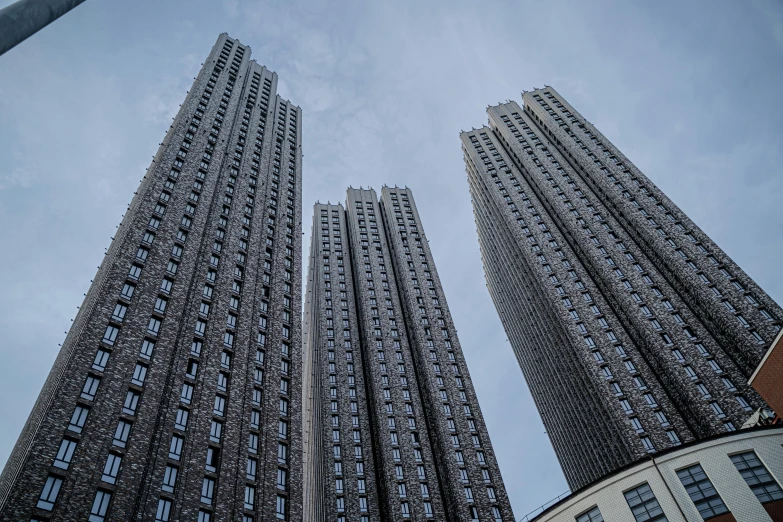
(127, 291)
(119, 312)
(252, 468)
(65, 454)
(216, 431)
(212, 460)
(101, 358)
(220, 406)
(139, 374)
(78, 419)
(187, 393)
(207, 490)
(100, 506)
(643, 504)
(175, 448)
(111, 469)
(757, 477)
(131, 402)
(147, 347)
(702, 492)
(169, 479)
(49, 494)
(160, 305)
(90, 387)
(164, 510)
(110, 335)
(153, 327)
(250, 497)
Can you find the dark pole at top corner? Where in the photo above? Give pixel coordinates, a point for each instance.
(24, 18)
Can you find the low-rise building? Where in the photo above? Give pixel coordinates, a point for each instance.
(734, 477)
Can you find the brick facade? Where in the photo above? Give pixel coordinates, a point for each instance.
(631, 327)
(432, 455)
(766, 380)
(187, 331)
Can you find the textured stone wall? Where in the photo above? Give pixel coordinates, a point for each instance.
(667, 365)
(428, 442)
(442, 371)
(677, 246)
(558, 368)
(338, 393)
(218, 191)
(392, 384)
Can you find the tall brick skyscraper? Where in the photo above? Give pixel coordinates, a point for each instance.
(635, 331)
(393, 428)
(177, 392)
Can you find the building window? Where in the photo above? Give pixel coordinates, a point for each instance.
(153, 327)
(131, 402)
(593, 515)
(175, 448)
(164, 509)
(280, 507)
(78, 419)
(250, 497)
(110, 335)
(169, 479)
(121, 434)
(139, 374)
(643, 504)
(100, 506)
(49, 494)
(119, 312)
(101, 358)
(111, 469)
(65, 454)
(211, 463)
(90, 387)
(702, 492)
(757, 477)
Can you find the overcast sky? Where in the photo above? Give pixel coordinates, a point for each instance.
(689, 91)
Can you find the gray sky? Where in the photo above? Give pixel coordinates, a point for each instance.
(690, 91)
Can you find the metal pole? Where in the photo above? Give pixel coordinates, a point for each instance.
(24, 18)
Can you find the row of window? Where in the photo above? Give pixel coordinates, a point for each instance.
(766, 316)
(404, 494)
(442, 394)
(656, 325)
(350, 380)
(645, 507)
(176, 445)
(589, 341)
(216, 430)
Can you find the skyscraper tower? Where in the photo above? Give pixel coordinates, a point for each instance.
(393, 429)
(177, 392)
(634, 330)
